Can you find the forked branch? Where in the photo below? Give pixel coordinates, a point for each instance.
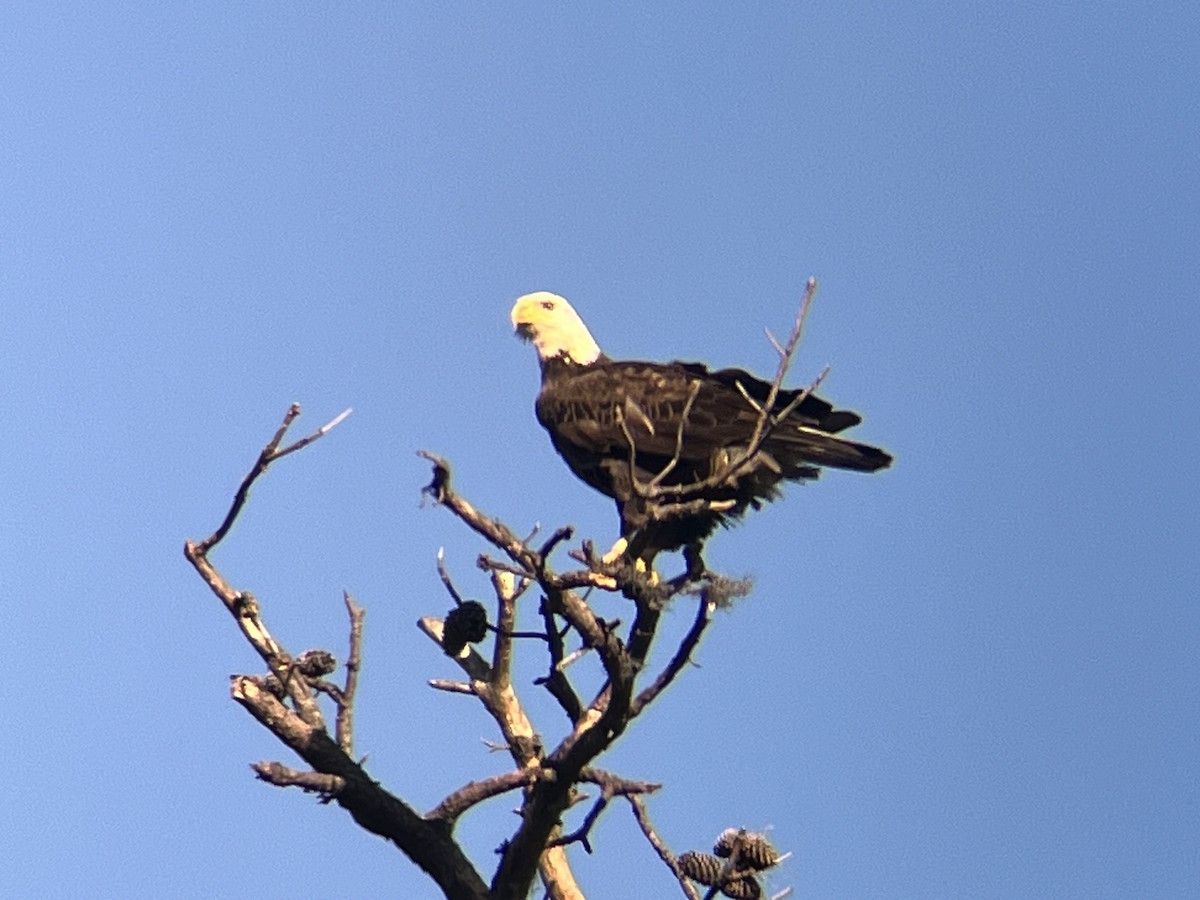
(269, 454)
(285, 701)
(596, 726)
(300, 726)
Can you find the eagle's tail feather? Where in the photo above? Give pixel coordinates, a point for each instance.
(814, 446)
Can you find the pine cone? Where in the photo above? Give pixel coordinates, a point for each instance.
(466, 624)
(707, 869)
(700, 867)
(316, 663)
(755, 851)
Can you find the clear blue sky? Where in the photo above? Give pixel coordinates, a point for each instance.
(975, 675)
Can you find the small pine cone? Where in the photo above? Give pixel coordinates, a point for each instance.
(758, 854)
(707, 869)
(453, 640)
(724, 843)
(744, 888)
(474, 618)
(756, 851)
(316, 663)
(466, 624)
(700, 867)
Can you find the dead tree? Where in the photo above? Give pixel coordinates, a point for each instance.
(291, 697)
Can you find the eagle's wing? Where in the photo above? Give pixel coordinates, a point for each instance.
(600, 408)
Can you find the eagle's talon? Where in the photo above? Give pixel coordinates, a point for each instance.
(613, 556)
(642, 570)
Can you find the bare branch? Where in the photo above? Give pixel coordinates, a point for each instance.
(488, 564)
(774, 341)
(458, 802)
(556, 681)
(451, 687)
(276, 773)
(610, 786)
(682, 657)
(754, 404)
(345, 711)
(245, 611)
(562, 534)
(675, 501)
(571, 657)
(494, 531)
(582, 833)
(445, 577)
(269, 454)
(243, 491)
(308, 439)
(501, 704)
(643, 819)
(505, 588)
(375, 809)
(616, 785)
(765, 420)
(241, 604)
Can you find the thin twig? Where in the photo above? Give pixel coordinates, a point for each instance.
(571, 657)
(765, 424)
(344, 722)
(496, 532)
(619, 416)
(450, 686)
(583, 832)
(242, 604)
(617, 785)
(459, 801)
(683, 420)
(562, 534)
(536, 635)
(445, 577)
(682, 657)
(610, 786)
(269, 454)
(785, 354)
(556, 681)
(766, 421)
(276, 773)
(308, 439)
(643, 819)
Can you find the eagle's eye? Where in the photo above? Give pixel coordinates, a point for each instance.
(547, 304)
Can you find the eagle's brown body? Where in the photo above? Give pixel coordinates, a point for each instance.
(621, 424)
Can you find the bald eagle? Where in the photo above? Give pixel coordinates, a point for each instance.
(669, 441)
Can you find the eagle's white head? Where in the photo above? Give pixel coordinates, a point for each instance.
(554, 327)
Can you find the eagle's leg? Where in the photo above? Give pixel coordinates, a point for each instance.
(645, 567)
(642, 566)
(692, 557)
